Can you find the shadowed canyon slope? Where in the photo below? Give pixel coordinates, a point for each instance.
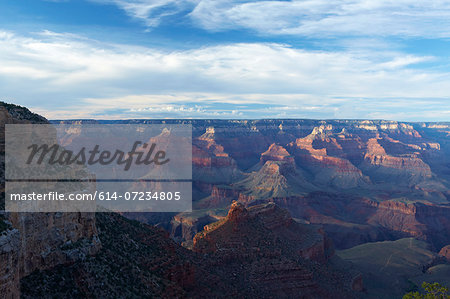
(37, 241)
(138, 260)
(391, 267)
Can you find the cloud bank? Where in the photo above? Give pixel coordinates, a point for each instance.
(311, 18)
(49, 70)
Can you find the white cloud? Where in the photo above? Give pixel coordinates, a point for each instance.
(311, 18)
(70, 74)
(318, 18)
(151, 12)
(322, 18)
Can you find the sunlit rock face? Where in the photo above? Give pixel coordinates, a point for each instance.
(445, 252)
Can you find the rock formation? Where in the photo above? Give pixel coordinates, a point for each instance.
(9, 261)
(351, 221)
(278, 253)
(38, 241)
(445, 252)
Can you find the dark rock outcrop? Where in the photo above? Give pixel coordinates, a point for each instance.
(283, 257)
(9, 261)
(39, 241)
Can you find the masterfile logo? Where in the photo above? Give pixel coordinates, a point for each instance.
(44, 151)
(94, 156)
(127, 168)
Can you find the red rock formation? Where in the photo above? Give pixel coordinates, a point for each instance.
(307, 241)
(220, 192)
(355, 220)
(445, 252)
(207, 153)
(380, 160)
(205, 156)
(145, 258)
(211, 164)
(331, 170)
(274, 178)
(184, 227)
(376, 156)
(245, 198)
(276, 153)
(270, 244)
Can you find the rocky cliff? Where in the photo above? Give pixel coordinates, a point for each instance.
(139, 260)
(356, 220)
(38, 241)
(275, 253)
(307, 241)
(9, 261)
(361, 180)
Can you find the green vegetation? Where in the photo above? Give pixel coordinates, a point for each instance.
(432, 291)
(20, 112)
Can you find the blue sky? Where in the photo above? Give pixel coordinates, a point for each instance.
(111, 59)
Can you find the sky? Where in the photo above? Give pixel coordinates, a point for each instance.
(236, 59)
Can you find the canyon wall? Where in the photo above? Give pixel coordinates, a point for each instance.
(9, 261)
(38, 241)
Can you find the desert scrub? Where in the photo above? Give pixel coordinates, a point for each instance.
(20, 112)
(432, 291)
(74, 245)
(133, 263)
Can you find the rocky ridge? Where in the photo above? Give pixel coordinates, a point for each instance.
(283, 257)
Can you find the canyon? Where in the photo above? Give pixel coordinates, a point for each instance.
(363, 180)
(280, 208)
